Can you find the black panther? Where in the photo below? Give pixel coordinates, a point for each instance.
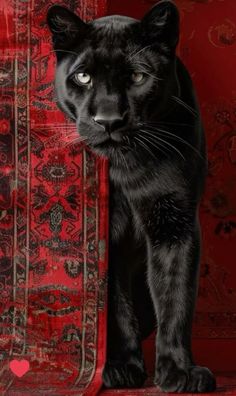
(133, 102)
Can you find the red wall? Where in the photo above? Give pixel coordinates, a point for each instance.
(208, 48)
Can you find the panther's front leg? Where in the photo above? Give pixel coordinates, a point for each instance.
(125, 364)
(174, 247)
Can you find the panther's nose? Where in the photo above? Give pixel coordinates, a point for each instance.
(111, 122)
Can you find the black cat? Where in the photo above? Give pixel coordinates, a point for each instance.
(133, 101)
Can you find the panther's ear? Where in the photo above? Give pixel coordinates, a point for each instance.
(161, 24)
(66, 27)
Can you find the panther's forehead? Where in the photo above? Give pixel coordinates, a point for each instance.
(101, 56)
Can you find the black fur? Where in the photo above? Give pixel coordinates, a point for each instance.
(151, 131)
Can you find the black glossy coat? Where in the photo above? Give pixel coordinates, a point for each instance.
(152, 133)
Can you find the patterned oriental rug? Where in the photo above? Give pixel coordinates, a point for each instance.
(53, 220)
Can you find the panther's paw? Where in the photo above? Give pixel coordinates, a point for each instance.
(123, 375)
(170, 378)
(201, 380)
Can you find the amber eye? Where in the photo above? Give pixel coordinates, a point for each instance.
(137, 77)
(83, 78)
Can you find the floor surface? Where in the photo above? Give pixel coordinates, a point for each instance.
(226, 385)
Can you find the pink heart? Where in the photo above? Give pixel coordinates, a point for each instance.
(19, 367)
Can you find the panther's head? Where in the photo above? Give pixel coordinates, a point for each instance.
(115, 73)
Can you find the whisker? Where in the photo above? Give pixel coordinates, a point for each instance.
(133, 54)
(67, 125)
(144, 70)
(61, 50)
(173, 136)
(157, 146)
(145, 146)
(178, 138)
(141, 62)
(59, 137)
(167, 123)
(181, 102)
(74, 141)
(154, 77)
(169, 144)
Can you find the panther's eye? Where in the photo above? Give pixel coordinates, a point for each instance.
(83, 78)
(137, 77)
